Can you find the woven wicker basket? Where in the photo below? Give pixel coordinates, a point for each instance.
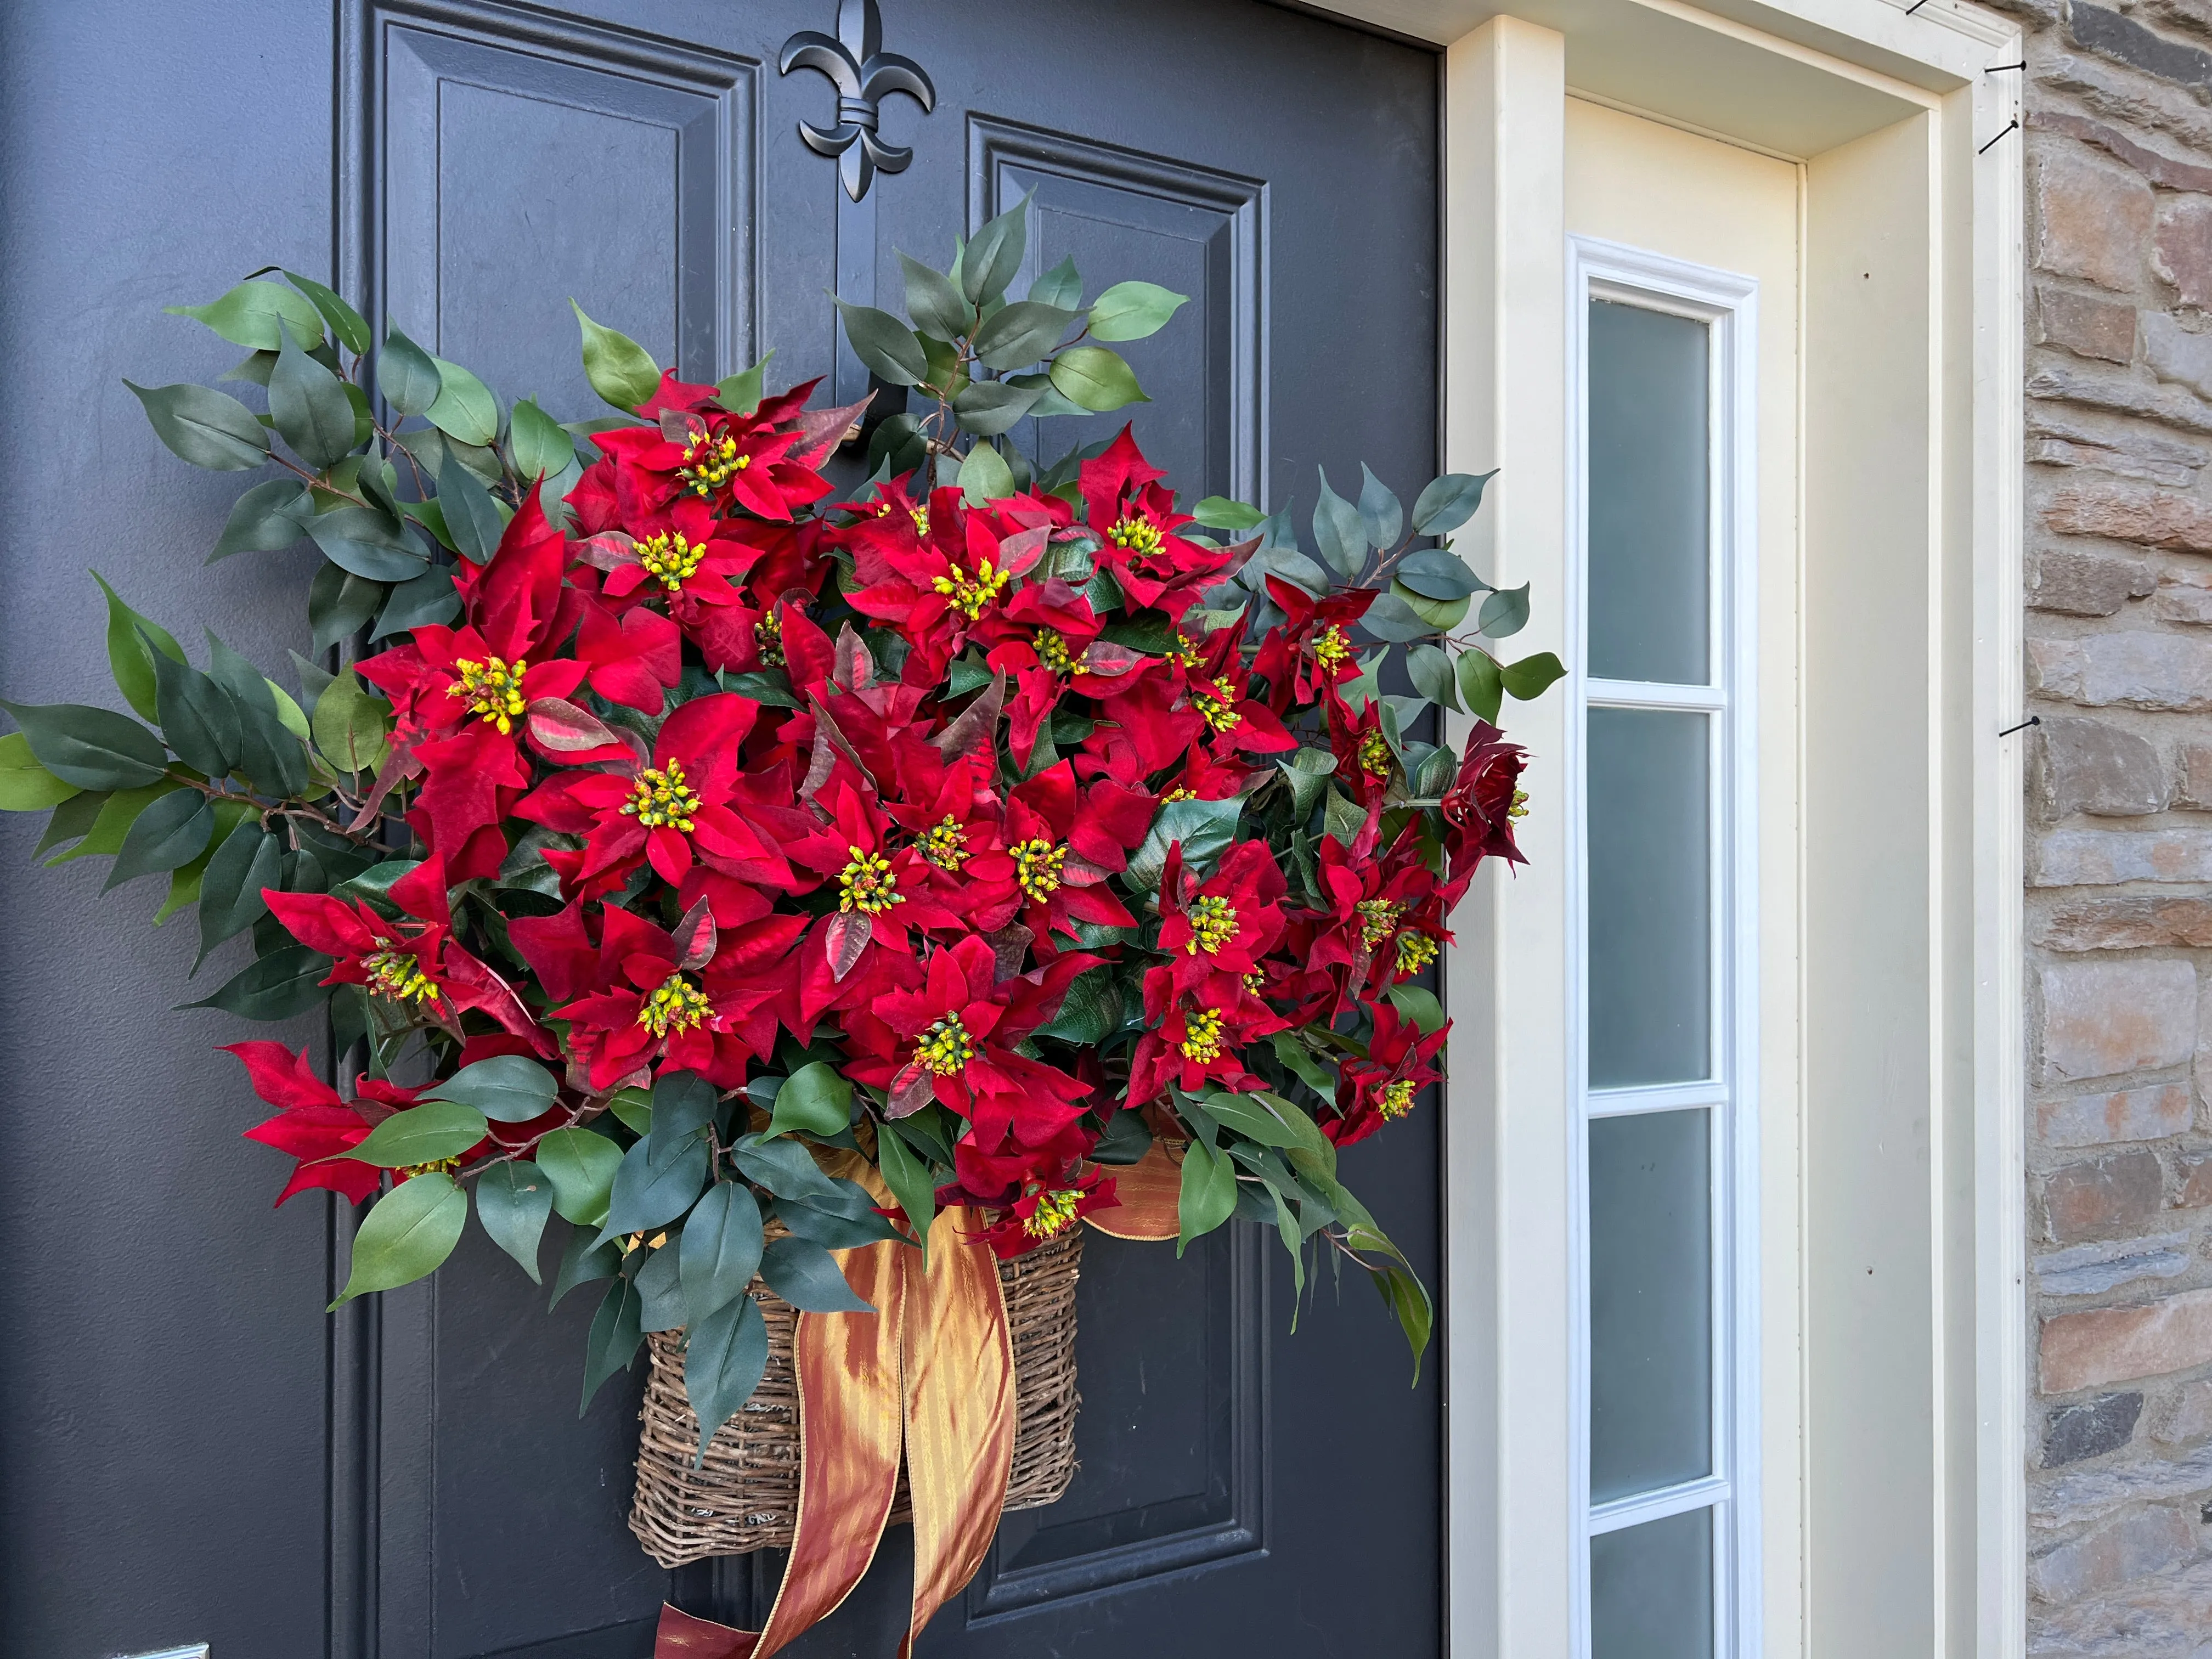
(745, 1495)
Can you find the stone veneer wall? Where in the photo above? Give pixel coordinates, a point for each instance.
(2119, 905)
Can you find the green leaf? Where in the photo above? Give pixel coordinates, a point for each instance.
(1208, 1196)
(507, 1089)
(1093, 378)
(347, 324)
(465, 410)
(513, 1200)
(993, 254)
(1019, 334)
(1436, 574)
(91, 748)
(473, 520)
(352, 725)
(1481, 684)
(269, 755)
(1338, 533)
(1420, 1004)
(1380, 518)
(230, 890)
(583, 1258)
(1449, 502)
(989, 408)
(620, 371)
(171, 832)
(883, 345)
(205, 427)
(801, 1273)
(184, 881)
(1091, 1011)
(310, 407)
(283, 985)
(1132, 311)
(1342, 817)
(429, 598)
(1441, 615)
(839, 1225)
(1204, 827)
(341, 603)
(407, 1233)
(613, 1342)
(1048, 401)
(1531, 677)
(249, 315)
(541, 448)
(1504, 612)
(198, 718)
(25, 785)
(1220, 512)
(423, 1134)
(267, 518)
(129, 656)
(1409, 1300)
(723, 1363)
(814, 1100)
(934, 304)
(740, 393)
(655, 1183)
(788, 1169)
(909, 1180)
(985, 477)
(1060, 286)
(633, 1110)
(365, 542)
(720, 1250)
(1431, 670)
(406, 374)
(659, 1286)
(1266, 1118)
(581, 1166)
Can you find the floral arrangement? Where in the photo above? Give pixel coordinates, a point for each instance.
(673, 839)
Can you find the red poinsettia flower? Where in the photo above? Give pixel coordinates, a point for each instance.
(1312, 647)
(1367, 765)
(1226, 925)
(313, 1127)
(1380, 1087)
(1197, 1037)
(936, 585)
(671, 810)
(953, 1039)
(1372, 902)
(708, 1002)
(759, 462)
(1481, 807)
(1134, 516)
(1050, 630)
(1062, 842)
(1220, 688)
(1032, 1205)
(683, 562)
(415, 966)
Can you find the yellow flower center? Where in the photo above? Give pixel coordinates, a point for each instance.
(662, 800)
(945, 1047)
(1055, 1214)
(1052, 650)
(1396, 1100)
(1179, 794)
(1375, 755)
(919, 514)
(1378, 920)
(397, 976)
(1255, 982)
(767, 640)
(1139, 536)
(670, 558)
(870, 886)
(1519, 810)
(494, 690)
(435, 1166)
(944, 844)
(1415, 953)
(1213, 924)
(1186, 652)
(1037, 866)
(1202, 1036)
(1218, 703)
(971, 593)
(1332, 648)
(708, 462)
(677, 1005)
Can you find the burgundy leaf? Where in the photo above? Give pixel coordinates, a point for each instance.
(560, 725)
(911, 1089)
(978, 724)
(695, 938)
(1008, 944)
(855, 666)
(1105, 657)
(846, 935)
(821, 430)
(681, 426)
(1019, 552)
(609, 550)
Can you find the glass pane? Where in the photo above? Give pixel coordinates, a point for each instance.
(1651, 931)
(1651, 1590)
(1650, 551)
(1651, 1318)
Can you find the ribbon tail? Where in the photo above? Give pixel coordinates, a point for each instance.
(959, 1364)
(1149, 1199)
(685, 1636)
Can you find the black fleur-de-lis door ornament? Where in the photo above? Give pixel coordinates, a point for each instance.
(863, 73)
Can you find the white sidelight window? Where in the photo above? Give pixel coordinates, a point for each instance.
(1662, 533)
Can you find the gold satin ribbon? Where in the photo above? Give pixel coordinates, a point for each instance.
(1149, 1199)
(932, 1372)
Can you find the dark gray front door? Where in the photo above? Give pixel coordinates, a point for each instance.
(189, 1449)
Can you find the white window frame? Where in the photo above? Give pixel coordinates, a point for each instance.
(1728, 304)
